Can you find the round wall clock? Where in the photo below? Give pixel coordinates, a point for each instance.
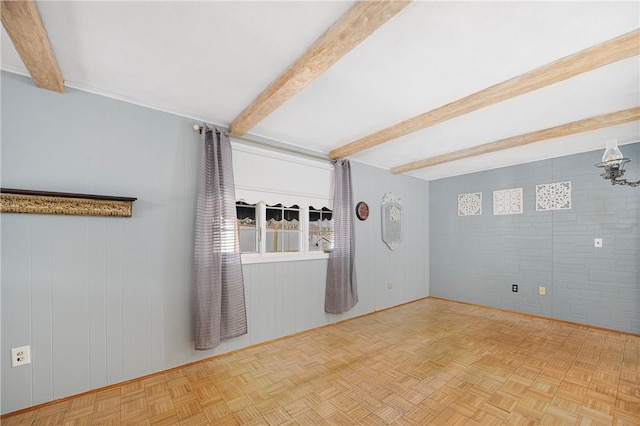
(362, 210)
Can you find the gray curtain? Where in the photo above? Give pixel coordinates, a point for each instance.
(342, 290)
(219, 304)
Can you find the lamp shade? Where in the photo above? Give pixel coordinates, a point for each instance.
(612, 152)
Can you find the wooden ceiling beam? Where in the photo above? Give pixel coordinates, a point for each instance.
(586, 125)
(360, 21)
(619, 48)
(22, 22)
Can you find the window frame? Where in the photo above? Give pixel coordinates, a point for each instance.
(256, 226)
(262, 256)
(323, 213)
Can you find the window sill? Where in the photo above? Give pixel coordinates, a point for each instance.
(251, 258)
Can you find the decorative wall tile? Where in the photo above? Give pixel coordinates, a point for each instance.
(553, 196)
(470, 204)
(507, 201)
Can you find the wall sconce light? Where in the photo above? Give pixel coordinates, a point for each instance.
(613, 163)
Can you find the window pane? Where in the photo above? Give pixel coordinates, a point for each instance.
(247, 230)
(271, 241)
(320, 229)
(283, 229)
(291, 219)
(274, 217)
(314, 216)
(291, 241)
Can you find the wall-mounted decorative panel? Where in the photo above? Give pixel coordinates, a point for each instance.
(553, 196)
(507, 201)
(44, 202)
(470, 204)
(391, 220)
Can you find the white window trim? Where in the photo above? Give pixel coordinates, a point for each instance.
(263, 257)
(251, 258)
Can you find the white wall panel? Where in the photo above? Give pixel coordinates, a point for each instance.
(16, 308)
(113, 301)
(41, 307)
(70, 310)
(97, 287)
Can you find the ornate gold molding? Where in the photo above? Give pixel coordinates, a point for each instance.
(42, 202)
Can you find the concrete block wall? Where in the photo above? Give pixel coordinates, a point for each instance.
(476, 259)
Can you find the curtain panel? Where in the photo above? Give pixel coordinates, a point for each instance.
(341, 288)
(219, 299)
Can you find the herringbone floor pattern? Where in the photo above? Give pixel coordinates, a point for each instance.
(428, 362)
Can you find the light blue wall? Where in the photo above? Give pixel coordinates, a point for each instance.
(87, 292)
(102, 300)
(476, 258)
(407, 266)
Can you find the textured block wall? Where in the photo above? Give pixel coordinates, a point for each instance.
(476, 259)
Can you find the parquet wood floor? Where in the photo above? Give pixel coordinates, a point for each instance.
(428, 362)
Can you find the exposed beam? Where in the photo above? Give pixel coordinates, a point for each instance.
(22, 21)
(361, 20)
(586, 125)
(622, 47)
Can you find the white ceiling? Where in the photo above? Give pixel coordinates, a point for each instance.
(209, 60)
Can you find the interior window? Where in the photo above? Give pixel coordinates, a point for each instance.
(247, 227)
(320, 229)
(282, 229)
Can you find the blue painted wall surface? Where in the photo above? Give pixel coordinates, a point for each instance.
(102, 300)
(476, 259)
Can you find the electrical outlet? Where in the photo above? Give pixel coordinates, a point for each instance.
(597, 243)
(20, 356)
(375, 308)
(542, 291)
(390, 285)
(514, 288)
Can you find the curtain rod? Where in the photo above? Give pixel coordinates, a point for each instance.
(199, 128)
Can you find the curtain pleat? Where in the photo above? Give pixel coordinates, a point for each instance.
(341, 288)
(219, 300)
